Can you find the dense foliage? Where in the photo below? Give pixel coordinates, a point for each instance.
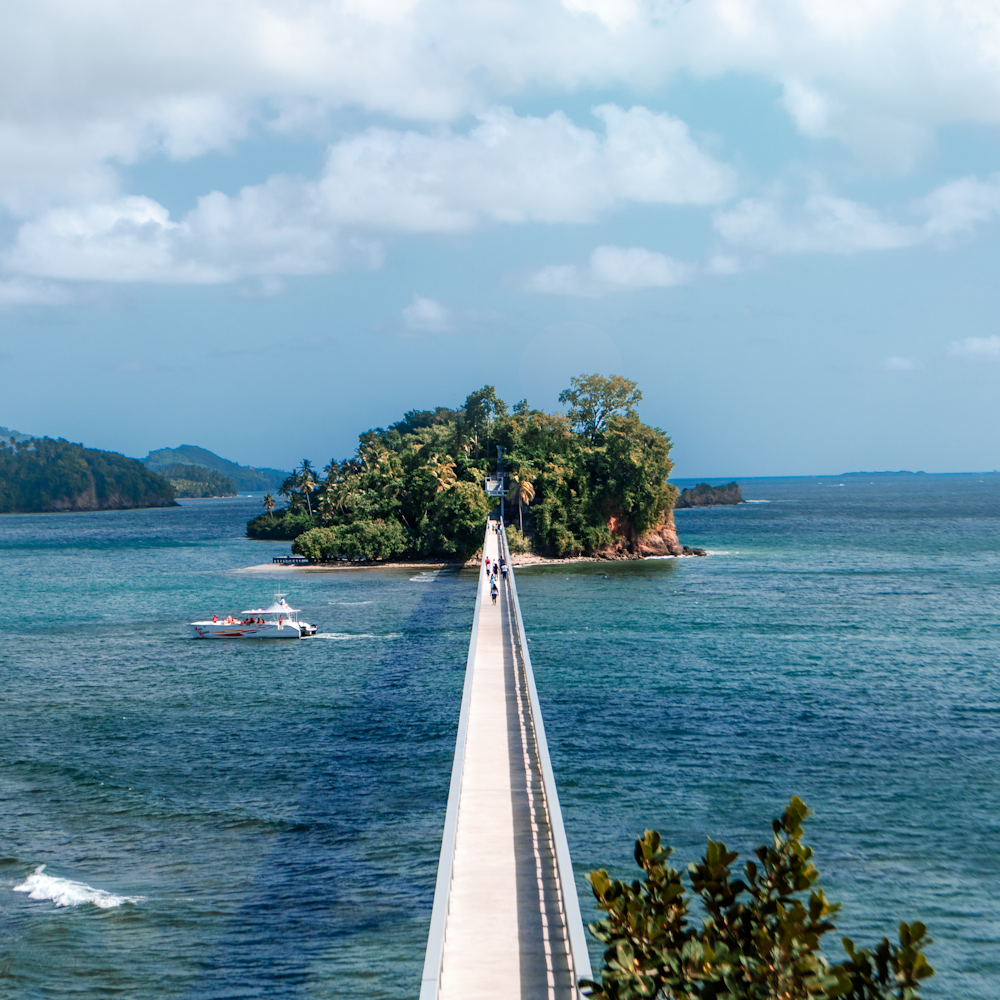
(40, 474)
(758, 939)
(197, 481)
(576, 479)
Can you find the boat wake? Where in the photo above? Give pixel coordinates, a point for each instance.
(65, 892)
(341, 636)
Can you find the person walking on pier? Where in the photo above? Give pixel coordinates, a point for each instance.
(493, 591)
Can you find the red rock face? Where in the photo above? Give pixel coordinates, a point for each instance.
(661, 541)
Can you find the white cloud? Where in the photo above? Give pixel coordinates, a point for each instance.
(724, 264)
(960, 206)
(87, 86)
(561, 279)
(508, 168)
(21, 292)
(811, 110)
(612, 269)
(270, 230)
(514, 168)
(613, 13)
(636, 267)
(824, 223)
(897, 363)
(976, 348)
(426, 316)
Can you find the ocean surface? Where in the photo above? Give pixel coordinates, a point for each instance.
(227, 820)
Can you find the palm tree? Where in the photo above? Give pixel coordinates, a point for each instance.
(287, 490)
(443, 470)
(307, 481)
(521, 493)
(269, 505)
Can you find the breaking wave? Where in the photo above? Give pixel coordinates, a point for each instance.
(65, 892)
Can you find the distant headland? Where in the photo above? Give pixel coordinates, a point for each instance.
(590, 482)
(244, 477)
(42, 474)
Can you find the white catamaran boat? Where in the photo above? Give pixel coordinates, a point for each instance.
(279, 621)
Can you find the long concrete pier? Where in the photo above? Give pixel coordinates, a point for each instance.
(506, 918)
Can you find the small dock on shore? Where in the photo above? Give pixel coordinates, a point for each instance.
(506, 919)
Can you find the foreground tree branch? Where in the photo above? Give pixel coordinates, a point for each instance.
(759, 938)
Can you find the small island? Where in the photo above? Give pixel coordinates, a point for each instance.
(42, 474)
(704, 495)
(591, 482)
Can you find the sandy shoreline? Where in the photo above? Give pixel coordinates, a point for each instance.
(347, 567)
(519, 561)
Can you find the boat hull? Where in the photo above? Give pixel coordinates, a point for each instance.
(269, 630)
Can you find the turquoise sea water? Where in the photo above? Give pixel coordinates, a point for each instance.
(275, 810)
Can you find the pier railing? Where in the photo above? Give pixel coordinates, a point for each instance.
(579, 955)
(430, 981)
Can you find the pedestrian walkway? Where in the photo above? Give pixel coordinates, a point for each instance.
(506, 920)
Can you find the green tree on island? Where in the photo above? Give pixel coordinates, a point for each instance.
(481, 410)
(759, 936)
(594, 478)
(594, 399)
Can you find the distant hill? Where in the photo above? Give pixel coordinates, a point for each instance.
(244, 476)
(39, 474)
(6, 434)
(197, 482)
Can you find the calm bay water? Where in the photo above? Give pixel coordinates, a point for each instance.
(275, 810)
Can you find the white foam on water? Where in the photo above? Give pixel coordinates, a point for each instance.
(756, 501)
(341, 636)
(348, 604)
(647, 558)
(427, 576)
(65, 892)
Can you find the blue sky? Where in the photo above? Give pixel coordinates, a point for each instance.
(263, 227)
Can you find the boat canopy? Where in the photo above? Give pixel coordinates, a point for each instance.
(278, 608)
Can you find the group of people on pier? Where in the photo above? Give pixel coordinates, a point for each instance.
(494, 569)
